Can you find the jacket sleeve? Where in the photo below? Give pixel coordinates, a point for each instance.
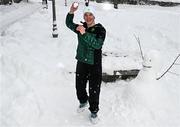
(93, 40)
(70, 24)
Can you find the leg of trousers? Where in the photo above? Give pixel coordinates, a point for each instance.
(81, 82)
(95, 78)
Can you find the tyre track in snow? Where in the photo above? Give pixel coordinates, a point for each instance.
(16, 15)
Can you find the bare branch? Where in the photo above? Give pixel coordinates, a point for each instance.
(139, 43)
(168, 68)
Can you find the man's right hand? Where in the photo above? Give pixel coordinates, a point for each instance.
(73, 8)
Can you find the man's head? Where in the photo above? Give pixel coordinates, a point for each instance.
(89, 16)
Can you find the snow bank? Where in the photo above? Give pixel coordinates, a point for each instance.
(37, 71)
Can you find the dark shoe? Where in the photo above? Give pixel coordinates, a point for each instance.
(93, 115)
(94, 118)
(82, 107)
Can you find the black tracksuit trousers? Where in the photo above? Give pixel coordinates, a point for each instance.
(93, 74)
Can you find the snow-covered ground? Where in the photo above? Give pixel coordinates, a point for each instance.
(37, 71)
(15, 12)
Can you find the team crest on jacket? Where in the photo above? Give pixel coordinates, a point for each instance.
(92, 30)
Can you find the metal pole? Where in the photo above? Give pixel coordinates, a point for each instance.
(55, 32)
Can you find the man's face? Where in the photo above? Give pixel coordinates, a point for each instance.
(89, 18)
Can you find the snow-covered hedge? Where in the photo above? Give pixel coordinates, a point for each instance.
(9, 1)
(143, 2)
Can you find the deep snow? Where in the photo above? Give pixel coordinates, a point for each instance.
(37, 71)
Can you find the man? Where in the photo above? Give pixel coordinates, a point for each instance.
(89, 59)
(86, 2)
(45, 4)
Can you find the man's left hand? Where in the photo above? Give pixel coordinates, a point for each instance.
(81, 29)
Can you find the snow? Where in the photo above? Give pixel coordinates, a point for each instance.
(37, 71)
(168, 0)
